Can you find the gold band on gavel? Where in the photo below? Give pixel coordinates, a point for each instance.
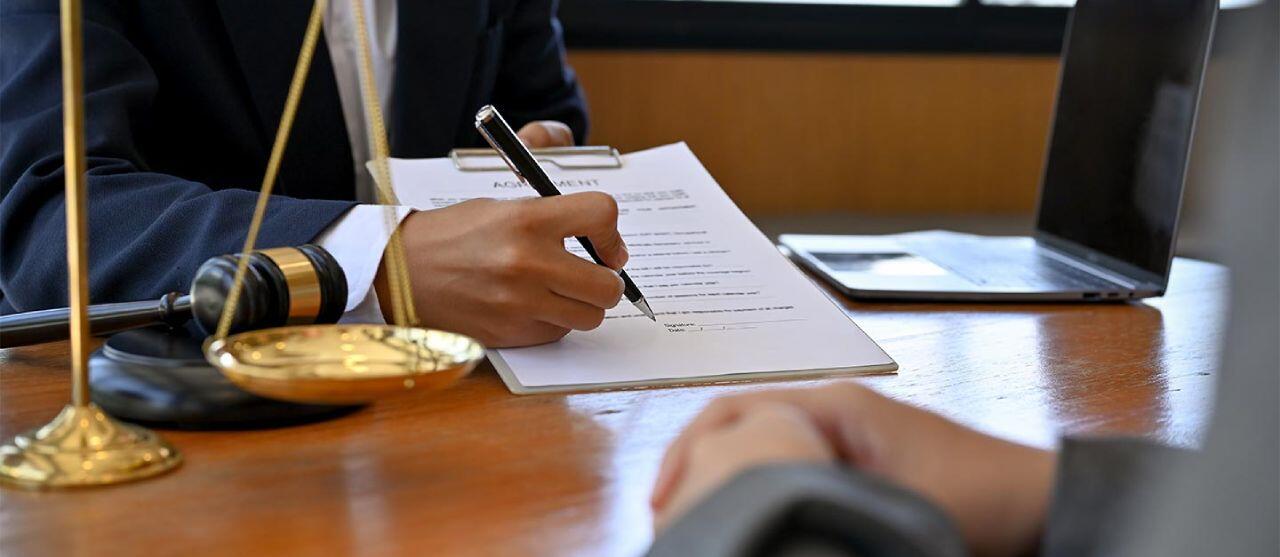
(302, 280)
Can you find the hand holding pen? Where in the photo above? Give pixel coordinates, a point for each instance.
(500, 136)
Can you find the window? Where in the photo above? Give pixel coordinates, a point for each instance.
(940, 3)
(875, 25)
(1011, 26)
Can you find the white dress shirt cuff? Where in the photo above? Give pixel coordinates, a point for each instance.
(357, 241)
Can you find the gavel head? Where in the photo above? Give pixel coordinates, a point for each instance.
(282, 286)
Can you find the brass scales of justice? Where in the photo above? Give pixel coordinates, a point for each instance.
(316, 364)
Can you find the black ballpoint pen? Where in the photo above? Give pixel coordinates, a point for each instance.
(503, 140)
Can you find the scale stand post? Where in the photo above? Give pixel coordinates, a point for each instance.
(82, 446)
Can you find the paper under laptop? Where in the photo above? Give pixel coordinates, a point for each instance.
(730, 307)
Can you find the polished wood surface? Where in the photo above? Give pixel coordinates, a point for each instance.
(862, 132)
(477, 471)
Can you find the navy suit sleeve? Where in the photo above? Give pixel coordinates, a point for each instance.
(148, 231)
(535, 81)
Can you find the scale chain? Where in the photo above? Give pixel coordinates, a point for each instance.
(404, 313)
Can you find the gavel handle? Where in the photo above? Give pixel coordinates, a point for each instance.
(48, 325)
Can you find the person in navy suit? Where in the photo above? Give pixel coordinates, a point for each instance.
(183, 99)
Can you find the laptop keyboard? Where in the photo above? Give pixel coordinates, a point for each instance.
(1045, 272)
(992, 262)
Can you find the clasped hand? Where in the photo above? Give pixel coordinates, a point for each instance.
(997, 492)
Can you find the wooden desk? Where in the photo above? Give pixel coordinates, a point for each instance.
(475, 470)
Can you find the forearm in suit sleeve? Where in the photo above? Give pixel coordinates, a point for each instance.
(806, 510)
(148, 232)
(534, 80)
(1099, 482)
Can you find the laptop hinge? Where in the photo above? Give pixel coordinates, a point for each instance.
(1100, 272)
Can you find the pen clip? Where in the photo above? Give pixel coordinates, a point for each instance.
(489, 139)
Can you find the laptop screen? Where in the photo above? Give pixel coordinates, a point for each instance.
(1122, 131)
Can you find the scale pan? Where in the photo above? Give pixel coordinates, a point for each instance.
(343, 364)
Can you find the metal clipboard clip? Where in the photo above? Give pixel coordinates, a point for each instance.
(564, 158)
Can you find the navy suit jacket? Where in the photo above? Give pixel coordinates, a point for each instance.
(182, 102)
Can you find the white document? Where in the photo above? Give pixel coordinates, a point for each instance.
(729, 305)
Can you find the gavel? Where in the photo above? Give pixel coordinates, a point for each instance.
(282, 286)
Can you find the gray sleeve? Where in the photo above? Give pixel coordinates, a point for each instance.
(810, 511)
(1098, 481)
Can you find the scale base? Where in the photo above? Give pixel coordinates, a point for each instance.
(160, 378)
(84, 447)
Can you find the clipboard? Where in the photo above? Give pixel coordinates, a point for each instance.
(717, 324)
(599, 157)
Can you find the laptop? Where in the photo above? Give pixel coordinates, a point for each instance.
(1111, 189)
